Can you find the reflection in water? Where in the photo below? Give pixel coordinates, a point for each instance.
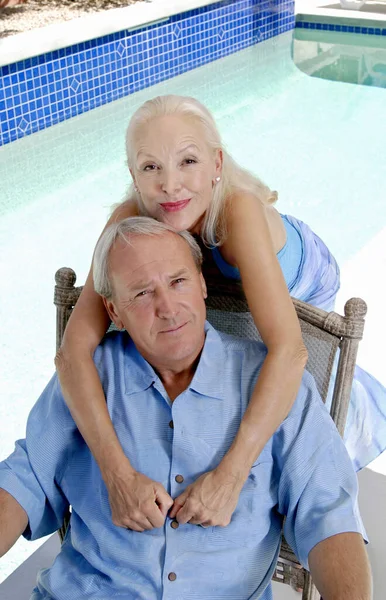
(352, 58)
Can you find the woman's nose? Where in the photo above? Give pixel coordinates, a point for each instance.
(171, 182)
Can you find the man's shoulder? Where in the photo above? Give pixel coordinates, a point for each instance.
(114, 344)
(245, 354)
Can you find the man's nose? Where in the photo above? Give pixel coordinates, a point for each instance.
(166, 307)
(171, 181)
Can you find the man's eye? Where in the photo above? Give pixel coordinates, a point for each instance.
(179, 280)
(143, 293)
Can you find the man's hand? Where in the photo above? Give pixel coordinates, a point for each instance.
(136, 501)
(210, 500)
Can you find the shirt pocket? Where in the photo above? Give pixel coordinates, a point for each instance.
(255, 513)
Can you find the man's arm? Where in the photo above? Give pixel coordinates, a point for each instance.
(340, 568)
(318, 494)
(13, 521)
(32, 473)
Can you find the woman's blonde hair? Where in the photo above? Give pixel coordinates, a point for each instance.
(233, 177)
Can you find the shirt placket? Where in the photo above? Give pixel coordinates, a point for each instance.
(174, 532)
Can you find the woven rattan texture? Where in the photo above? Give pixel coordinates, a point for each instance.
(321, 346)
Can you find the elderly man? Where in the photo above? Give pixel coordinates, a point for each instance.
(176, 391)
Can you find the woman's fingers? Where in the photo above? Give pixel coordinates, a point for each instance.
(178, 503)
(163, 500)
(139, 503)
(209, 501)
(136, 501)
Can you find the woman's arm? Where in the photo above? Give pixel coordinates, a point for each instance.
(135, 500)
(79, 380)
(250, 246)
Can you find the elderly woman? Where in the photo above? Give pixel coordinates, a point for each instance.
(183, 176)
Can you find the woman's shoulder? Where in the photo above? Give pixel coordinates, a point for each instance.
(127, 208)
(244, 207)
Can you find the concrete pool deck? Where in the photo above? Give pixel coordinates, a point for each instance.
(361, 276)
(331, 8)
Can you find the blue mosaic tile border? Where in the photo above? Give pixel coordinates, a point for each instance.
(338, 27)
(41, 91)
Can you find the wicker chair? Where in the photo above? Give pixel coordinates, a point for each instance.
(323, 334)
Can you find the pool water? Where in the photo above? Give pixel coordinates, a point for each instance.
(318, 142)
(347, 57)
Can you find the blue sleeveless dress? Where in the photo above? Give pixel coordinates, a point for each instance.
(312, 275)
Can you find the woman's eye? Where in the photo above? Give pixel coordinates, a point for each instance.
(149, 167)
(141, 294)
(190, 161)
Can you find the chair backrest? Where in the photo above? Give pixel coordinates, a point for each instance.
(323, 333)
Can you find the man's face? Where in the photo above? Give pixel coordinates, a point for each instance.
(158, 297)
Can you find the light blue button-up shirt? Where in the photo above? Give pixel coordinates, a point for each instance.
(304, 473)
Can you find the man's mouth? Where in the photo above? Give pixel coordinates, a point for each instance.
(174, 206)
(174, 329)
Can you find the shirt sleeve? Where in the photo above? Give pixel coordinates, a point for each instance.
(32, 473)
(318, 489)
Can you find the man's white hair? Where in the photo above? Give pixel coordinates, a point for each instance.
(126, 230)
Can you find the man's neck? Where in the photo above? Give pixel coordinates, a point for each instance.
(176, 381)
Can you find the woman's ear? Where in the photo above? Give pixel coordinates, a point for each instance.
(218, 162)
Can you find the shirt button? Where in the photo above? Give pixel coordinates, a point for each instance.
(172, 576)
(174, 524)
(171, 424)
(179, 478)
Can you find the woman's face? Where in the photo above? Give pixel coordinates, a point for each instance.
(174, 171)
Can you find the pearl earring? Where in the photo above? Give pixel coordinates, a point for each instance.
(136, 189)
(218, 178)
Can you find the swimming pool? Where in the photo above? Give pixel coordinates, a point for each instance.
(319, 143)
(341, 56)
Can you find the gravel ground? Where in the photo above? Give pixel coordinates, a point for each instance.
(38, 13)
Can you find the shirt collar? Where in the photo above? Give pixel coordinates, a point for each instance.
(207, 380)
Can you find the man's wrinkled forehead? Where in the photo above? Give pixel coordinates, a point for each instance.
(145, 256)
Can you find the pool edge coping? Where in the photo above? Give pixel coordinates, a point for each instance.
(61, 35)
(341, 20)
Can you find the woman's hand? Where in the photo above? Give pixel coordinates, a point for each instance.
(209, 501)
(136, 501)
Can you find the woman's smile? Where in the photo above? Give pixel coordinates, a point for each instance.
(175, 206)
